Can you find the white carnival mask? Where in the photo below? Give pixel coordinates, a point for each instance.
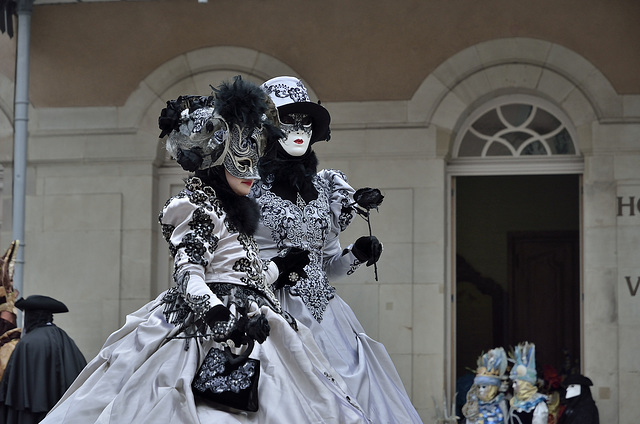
(298, 129)
(573, 390)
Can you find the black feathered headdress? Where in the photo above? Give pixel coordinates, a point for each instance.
(240, 102)
(228, 128)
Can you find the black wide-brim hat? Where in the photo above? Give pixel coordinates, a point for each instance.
(290, 96)
(42, 303)
(577, 379)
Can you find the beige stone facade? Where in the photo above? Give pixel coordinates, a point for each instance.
(401, 80)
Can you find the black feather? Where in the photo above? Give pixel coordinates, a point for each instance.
(288, 174)
(240, 102)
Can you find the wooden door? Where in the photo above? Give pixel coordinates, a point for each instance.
(544, 288)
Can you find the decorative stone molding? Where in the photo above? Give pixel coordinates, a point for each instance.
(514, 66)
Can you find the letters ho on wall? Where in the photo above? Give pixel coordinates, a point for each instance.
(629, 206)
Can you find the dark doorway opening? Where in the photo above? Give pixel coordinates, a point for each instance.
(544, 294)
(517, 268)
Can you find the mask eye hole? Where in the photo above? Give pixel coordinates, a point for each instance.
(287, 119)
(306, 121)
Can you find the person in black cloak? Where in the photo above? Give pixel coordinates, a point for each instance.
(43, 365)
(581, 408)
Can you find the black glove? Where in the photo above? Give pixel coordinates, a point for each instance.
(225, 326)
(258, 328)
(291, 267)
(217, 313)
(367, 249)
(240, 330)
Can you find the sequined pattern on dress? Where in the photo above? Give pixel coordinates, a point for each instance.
(307, 227)
(211, 375)
(181, 308)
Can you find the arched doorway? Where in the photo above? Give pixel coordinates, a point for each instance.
(516, 178)
(557, 76)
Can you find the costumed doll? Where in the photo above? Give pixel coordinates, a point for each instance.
(580, 406)
(306, 209)
(9, 331)
(490, 405)
(42, 366)
(216, 347)
(527, 405)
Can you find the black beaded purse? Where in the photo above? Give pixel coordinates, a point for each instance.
(229, 379)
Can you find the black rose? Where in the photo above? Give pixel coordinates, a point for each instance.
(191, 159)
(171, 116)
(368, 198)
(169, 119)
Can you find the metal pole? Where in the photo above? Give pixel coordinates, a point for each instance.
(21, 120)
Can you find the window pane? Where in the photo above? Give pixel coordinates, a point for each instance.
(489, 123)
(516, 139)
(498, 149)
(544, 122)
(516, 114)
(471, 146)
(535, 148)
(561, 144)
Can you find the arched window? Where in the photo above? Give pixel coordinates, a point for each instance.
(517, 129)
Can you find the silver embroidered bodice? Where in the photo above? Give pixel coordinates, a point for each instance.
(312, 226)
(207, 250)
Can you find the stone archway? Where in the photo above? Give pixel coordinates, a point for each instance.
(508, 66)
(502, 68)
(193, 72)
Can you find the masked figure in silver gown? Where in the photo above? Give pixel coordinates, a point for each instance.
(305, 209)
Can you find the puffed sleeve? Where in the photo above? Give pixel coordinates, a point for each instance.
(540, 414)
(338, 262)
(192, 226)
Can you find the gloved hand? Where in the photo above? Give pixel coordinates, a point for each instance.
(258, 328)
(291, 267)
(225, 326)
(367, 249)
(239, 330)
